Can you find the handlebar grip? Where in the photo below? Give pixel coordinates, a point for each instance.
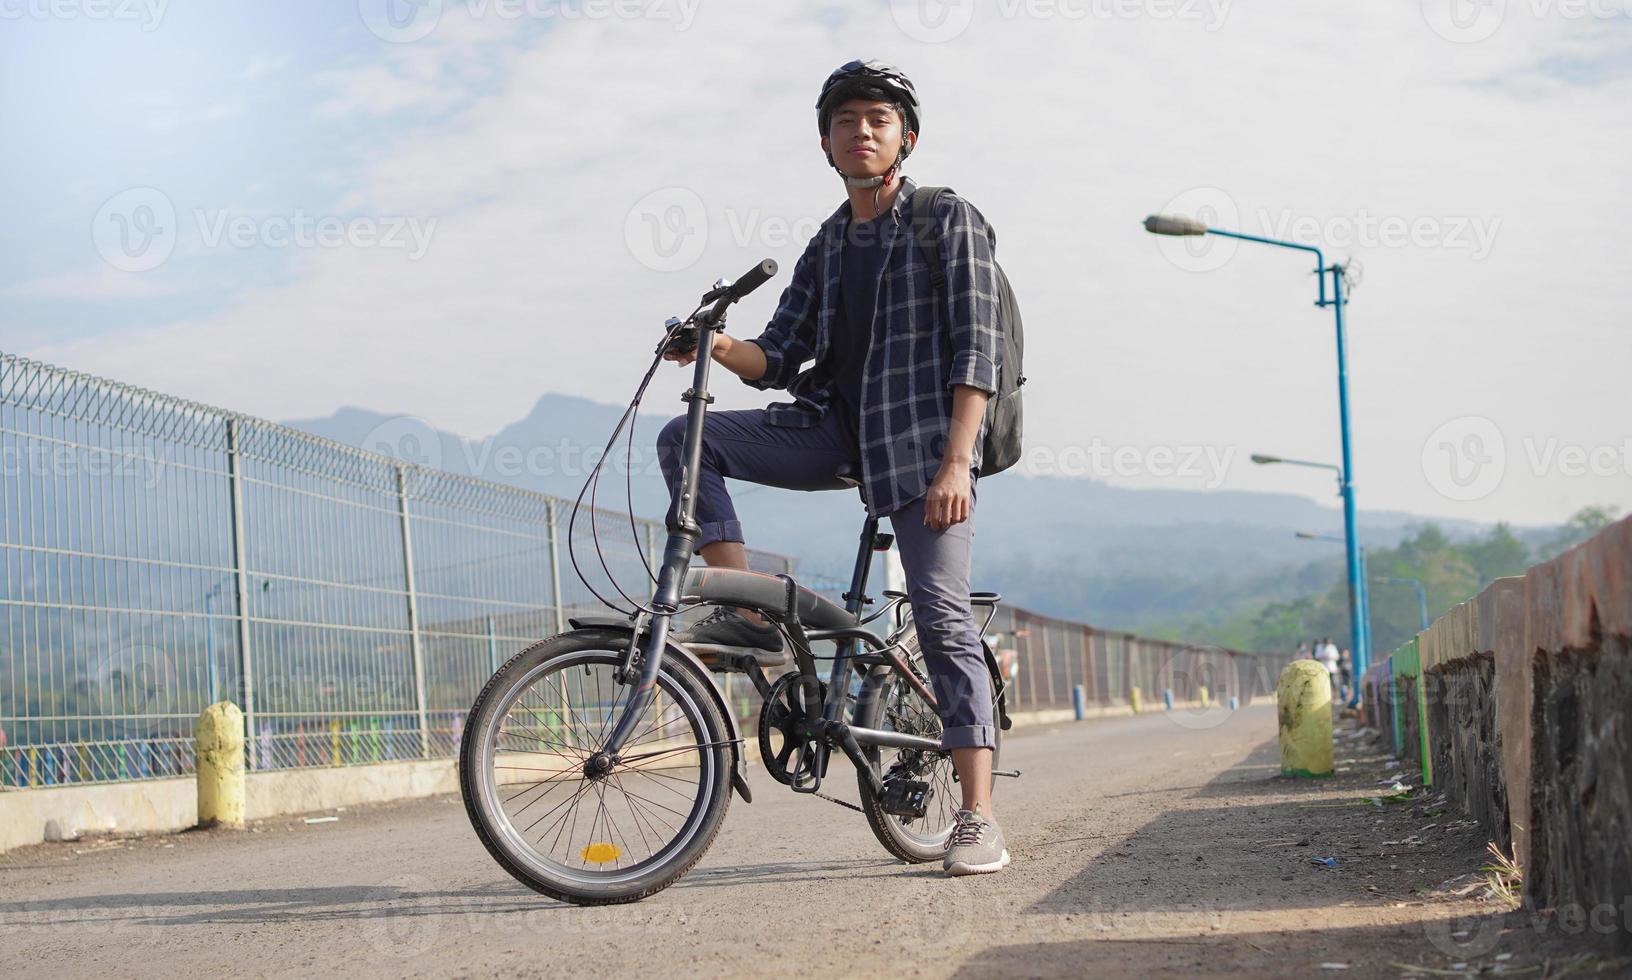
(753, 279)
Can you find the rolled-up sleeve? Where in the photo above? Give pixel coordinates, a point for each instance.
(967, 245)
(789, 340)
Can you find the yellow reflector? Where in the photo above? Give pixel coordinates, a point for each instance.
(601, 853)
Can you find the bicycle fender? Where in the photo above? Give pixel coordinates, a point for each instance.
(739, 772)
(999, 684)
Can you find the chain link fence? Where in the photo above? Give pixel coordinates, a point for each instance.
(158, 555)
(1045, 658)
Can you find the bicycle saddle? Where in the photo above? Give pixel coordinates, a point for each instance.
(767, 593)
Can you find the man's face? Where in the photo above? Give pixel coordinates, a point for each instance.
(864, 137)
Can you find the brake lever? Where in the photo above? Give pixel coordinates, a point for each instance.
(684, 336)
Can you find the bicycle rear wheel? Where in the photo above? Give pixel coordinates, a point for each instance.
(887, 701)
(544, 812)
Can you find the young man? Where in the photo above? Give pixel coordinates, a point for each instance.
(899, 384)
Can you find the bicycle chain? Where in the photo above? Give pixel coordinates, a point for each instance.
(843, 803)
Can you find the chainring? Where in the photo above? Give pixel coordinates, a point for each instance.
(784, 715)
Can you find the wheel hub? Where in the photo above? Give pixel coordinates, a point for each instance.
(599, 765)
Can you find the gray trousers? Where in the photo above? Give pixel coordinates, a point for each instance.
(742, 445)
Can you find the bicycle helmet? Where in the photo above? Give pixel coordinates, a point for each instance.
(878, 81)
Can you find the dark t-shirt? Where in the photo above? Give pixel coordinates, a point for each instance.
(861, 265)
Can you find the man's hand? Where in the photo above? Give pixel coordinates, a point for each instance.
(948, 500)
(722, 344)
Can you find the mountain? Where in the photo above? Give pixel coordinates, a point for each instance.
(1075, 547)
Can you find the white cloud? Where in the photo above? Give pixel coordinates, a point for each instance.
(101, 283)
(528, 149)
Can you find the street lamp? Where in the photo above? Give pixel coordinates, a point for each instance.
(1168, 224)
(1264, 460)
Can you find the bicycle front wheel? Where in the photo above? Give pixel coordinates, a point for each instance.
(544, 812)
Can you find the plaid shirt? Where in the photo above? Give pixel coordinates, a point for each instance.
(920, 349)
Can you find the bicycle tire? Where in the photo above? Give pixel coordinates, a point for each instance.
(478, 758)
(871, 707)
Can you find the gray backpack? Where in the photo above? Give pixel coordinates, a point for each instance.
(1000, 448)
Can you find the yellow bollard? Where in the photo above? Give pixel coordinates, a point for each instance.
(1206, 695)
(1305, 700)
(221, 766)
(1137, 700)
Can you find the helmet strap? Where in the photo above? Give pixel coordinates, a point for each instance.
(879, 182)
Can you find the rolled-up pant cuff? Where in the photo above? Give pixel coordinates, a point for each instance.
(713, 531)
(969, 737)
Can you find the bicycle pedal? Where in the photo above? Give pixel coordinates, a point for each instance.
(905, 797)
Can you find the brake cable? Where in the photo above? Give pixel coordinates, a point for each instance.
(592, 487)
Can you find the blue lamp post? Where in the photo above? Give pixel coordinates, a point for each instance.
(1417, 586)
(1364, 594)
(1163, 224)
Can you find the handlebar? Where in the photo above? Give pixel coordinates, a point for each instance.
(683, 336)
(747, 283)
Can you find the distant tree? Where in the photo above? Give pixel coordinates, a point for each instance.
(1582, 525)
(1498, 555)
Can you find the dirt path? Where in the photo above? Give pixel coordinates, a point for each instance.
(1141, 846)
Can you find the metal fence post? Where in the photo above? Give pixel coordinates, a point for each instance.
(1048, 663)
(1089, 674)
(413, 615)
(240, 578)
(560, 619)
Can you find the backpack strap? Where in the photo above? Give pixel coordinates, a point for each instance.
(924, 200)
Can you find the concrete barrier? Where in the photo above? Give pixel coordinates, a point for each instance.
(1518, 704)
(220, 767)
(1304, 699)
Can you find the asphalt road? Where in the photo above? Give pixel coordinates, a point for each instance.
(1151, 845)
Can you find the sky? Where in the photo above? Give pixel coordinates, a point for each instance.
(445, 209)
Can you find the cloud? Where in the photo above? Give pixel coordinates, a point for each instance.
(262, 65)
(100, 283)
(530, 147)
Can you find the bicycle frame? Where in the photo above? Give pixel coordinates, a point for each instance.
(830, 727)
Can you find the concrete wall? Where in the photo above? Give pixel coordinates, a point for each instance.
(1522, 701)
(167, 805)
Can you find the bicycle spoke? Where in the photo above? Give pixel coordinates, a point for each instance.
(566, 802)
(541, 741)
(601, 824)
(635, 814)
